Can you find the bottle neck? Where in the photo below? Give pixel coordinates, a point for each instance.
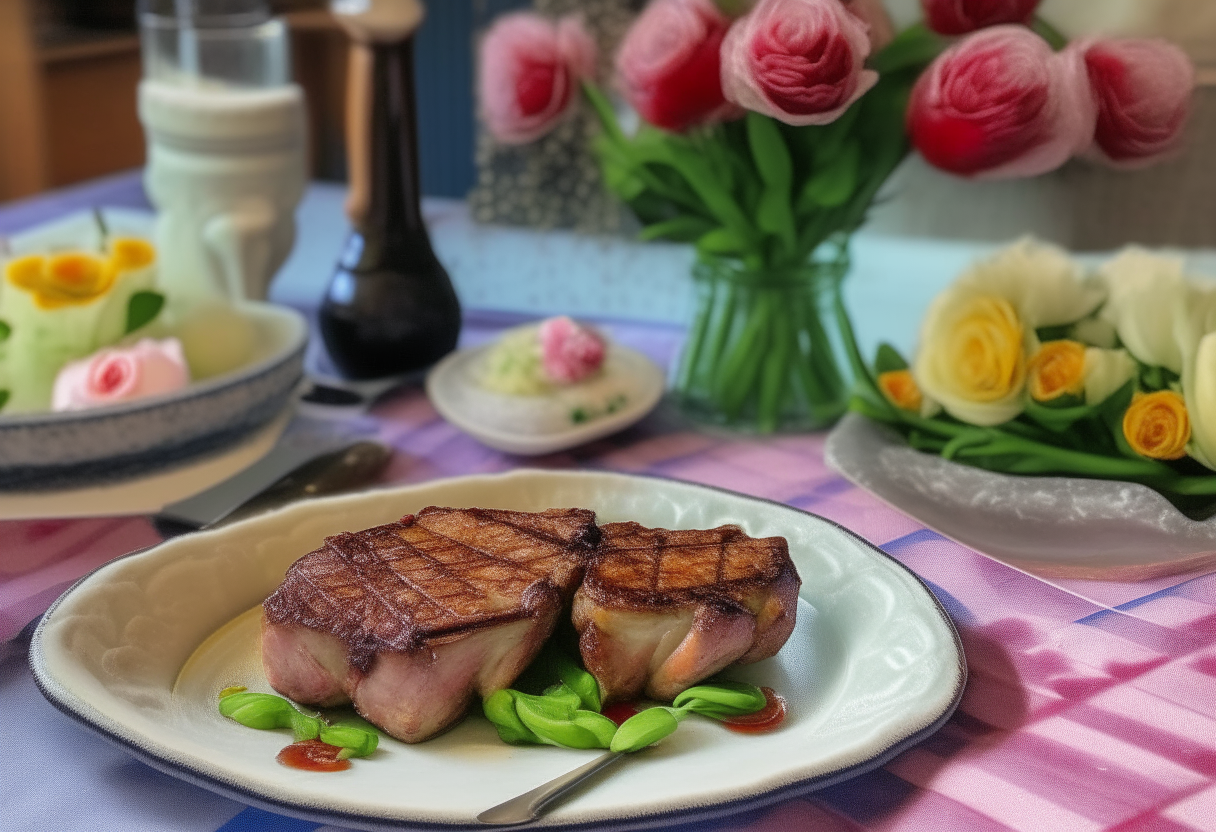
(391, 218)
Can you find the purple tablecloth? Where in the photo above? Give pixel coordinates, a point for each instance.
(1090, 706)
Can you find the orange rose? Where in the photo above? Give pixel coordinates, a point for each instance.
(1058, 368)
(1157, 426)
(901, 389)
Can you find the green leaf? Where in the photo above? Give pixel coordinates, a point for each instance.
(913, 48)
(769, 152)
(1054, 333)
(142, 309)
(1057, 419)
(721, 242)
(578, 680)
(644, 729)
(4, 396)
(833, 185)
(5, 331)
(889, 360)
(683, 229)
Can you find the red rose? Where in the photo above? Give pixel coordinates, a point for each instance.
(1143, 89)
(1000, 104)
(799, 61)
(529, 73)
(668, 64)
(959, 17)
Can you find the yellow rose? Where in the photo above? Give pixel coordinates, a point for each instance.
(901, 390)
(978, 336)
(1157, 426)
(128, 253)
(973, 358)
(1057, 369)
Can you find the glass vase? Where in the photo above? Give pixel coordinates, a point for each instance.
(764, 351)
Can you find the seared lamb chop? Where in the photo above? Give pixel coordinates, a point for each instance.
(409, 620)
(660, 610)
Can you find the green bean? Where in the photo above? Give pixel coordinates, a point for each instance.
(353, 740)
(265, 711)
(645, 729)
(721, 699)
(553, 722)
(499, 708)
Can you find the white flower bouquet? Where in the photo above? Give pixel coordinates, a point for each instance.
(1028, 364)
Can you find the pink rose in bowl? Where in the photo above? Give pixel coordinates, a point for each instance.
(569, 352)
(799, 61)
(1143, 89)
(114, 375)
(668, 64)
(529, 74)
(960, 17)
(1001, 104)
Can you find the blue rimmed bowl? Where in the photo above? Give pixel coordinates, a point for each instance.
(60, 450)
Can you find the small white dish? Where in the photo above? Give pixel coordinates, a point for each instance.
(535, 425)
(139, 650)
(1062, 527)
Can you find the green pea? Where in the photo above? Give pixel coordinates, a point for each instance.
(644, 729)
(354, 742)
(553, 722)
(721, 700)
(499, 708)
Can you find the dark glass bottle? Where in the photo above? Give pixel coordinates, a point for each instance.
(390, 308)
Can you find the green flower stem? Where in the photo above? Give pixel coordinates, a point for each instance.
(725, 299)
(694, 344)
(775, 370)
(743, 358)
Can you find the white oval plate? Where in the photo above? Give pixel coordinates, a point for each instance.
(1062, 527)
(459, 399)
(139, 650)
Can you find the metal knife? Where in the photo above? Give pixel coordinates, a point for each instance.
(289, 472)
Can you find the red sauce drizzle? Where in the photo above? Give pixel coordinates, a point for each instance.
(312, 755)
(765, 719)
(618, 712)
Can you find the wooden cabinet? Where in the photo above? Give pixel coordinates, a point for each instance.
(68, 101)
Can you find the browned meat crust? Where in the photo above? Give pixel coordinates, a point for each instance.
(659, 610)
(435, 576)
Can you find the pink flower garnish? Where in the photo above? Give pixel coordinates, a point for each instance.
(115, 375)
(569, 352)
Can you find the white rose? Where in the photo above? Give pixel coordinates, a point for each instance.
(1105, 372)
(978, 335)
(1199, 390)
(1045, 286)
(1148, 296)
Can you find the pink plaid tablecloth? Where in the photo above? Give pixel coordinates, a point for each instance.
(1090, 706)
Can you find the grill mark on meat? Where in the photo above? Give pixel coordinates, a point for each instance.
(398, 586)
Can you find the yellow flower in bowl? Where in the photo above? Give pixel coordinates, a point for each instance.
(901, 389)
(59, 280)
(978, 336)
(1057, 369)
(1157, 426)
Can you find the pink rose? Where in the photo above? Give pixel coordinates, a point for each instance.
(529, 73)
(1001, 104)
(120, 374)
(959, 17)
(569, 352)
(799, 61)
(669, 63)
(1143, 89)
